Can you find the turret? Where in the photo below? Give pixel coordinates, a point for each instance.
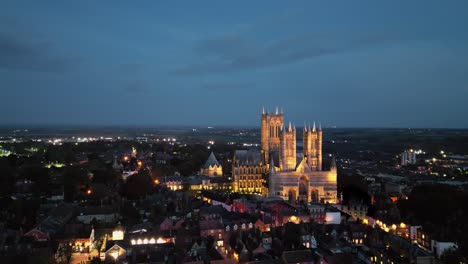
(288, 149)
(319, 148)
(265, 129)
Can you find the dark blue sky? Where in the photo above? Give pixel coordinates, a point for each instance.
(345, 63)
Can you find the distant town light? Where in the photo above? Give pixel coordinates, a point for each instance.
(88, 192)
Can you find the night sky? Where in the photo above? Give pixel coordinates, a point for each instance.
(343, 63)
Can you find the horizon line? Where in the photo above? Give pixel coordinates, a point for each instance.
(141, 126)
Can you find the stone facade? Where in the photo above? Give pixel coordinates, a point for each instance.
(296, 177)
(291, 176)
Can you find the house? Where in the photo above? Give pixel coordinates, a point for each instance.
(300, 256)
(104, 214)
(259, 224)
(170, 224)
(53, 223)
(438, 248)
(115, 250)
(212, 227)
(212, 212)
(243, 206)
(198, 248)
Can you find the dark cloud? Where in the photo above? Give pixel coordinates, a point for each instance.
(22, 50)
(236, 53)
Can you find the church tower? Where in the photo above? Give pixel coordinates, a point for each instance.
(288, 148)
(312, 140)
(319, 148)
(271, 132)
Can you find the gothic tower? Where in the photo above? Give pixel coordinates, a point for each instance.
(312, 140)
(288, 148)
(319, 148)
(271, 132)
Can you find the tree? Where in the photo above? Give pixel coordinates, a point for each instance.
(98, 244)
(292, 235)
(209, 242)
(73, 177)
(452, 256)
(139, 185)
(233, 240)
(7, 175)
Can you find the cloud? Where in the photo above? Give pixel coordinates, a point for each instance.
(237, 53)
(26, 50)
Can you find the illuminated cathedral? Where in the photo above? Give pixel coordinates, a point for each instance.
(291, 176)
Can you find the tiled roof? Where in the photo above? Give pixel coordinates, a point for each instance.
(210, 224)
(212, 161)
(248, 157)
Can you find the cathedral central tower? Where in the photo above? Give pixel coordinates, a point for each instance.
(271, 132)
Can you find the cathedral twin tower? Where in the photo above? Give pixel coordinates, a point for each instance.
(290, 175)
(295, 176)
(277, 138)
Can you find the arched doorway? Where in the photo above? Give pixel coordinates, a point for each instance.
(303, 189)
(314, 195)
(292, 195)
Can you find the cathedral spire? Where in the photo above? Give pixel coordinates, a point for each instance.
(309, 127)
(305, 126)
(320, 126)
(313, 129)
(263, 112)
(276, 110)
(294, 126)
(289, 129)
